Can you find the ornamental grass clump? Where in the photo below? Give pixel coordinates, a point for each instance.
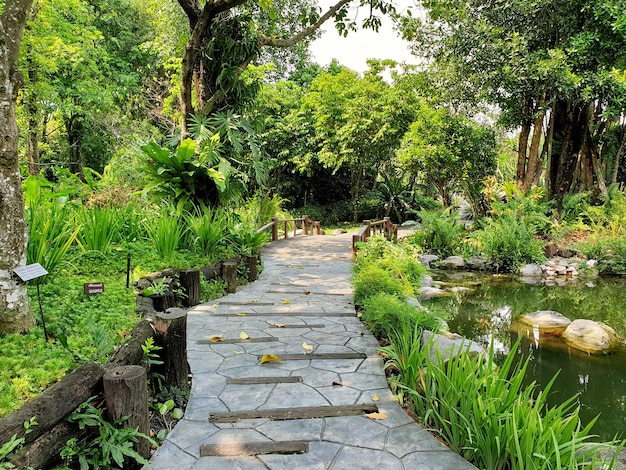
(486, 413)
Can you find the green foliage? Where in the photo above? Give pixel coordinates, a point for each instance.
(8, 449)
(386, 313)
(99, 228)
(113, 447)
(440, 233)
(213, 289)
(188, 174)
(509, 242)
(247, 240)
(385, 267)
(207, 230)
(50, 224)
(261, 208)
(485, 413)
(166, 233)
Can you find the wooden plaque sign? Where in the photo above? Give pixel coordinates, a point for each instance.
(93, 288)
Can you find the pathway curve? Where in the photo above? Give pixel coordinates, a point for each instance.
(238, 405)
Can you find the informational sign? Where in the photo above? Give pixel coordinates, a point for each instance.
(32, 271)
(93, 288)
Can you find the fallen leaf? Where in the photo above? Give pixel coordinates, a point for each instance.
(237, 352)
(285, 301)
(270, 358)
(335, 382)
(307, 292)
(300, 266)
(244, 335)
(278, 325)
(359, 315)
(214, 306)
(375, 398)
(122, 334)
(216, 339)
(254, 301)
(377, 416)
(307, 347)
(240, 314)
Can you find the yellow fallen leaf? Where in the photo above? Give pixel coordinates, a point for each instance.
(336, 382)
(216, 339)
(359, 315)
(377, 416)
(214, 306)
(240, 314)
(300, 266)
(307, 347)
(285, 301)
(375, 398)
(278, 325)
(270, 358)
(237, 352)
(122, 334)
(244, 335)
(254, 301)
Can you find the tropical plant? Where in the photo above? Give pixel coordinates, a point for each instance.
(207, 230)
(441, 233)
(99, 228)
(113, 446)
(485, 412)
(166, 233)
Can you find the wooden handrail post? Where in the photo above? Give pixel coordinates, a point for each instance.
(285, 230)
(387, 227)
(368, 232)
(305, 222)
(274, 229)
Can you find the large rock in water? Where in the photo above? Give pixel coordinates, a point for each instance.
(449, 345)
(452, 262)
(591, 337)
(548, 321)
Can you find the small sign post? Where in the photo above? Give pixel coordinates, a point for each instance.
(93, 288)
(28, 273)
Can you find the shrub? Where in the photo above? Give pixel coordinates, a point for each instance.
(509, 242)
(166, 233)
(206, 231)
(385, 313)
(99, 228)
(441, 233)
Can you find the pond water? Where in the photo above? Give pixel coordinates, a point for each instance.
(484, 314)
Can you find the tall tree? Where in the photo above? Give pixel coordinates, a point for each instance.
(556, 68)
(15, 313)
(240, 49)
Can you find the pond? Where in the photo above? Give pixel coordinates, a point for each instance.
(484, 314)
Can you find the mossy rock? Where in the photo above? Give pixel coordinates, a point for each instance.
(548, 321)
(591, 337)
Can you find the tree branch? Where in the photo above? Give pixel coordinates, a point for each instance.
(276, 42)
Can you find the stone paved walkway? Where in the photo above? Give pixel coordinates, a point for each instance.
(304, 295)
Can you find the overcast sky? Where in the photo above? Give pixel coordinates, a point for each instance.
(354, 50)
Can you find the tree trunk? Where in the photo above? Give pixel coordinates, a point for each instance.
(74, 129)
(190, 283)
(33, 121)
(533, 167)
(15, 313)
(126, 395)
(522, 147)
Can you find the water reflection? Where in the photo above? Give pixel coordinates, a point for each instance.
(485, 315)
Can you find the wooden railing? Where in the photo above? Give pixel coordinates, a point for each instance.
(307, 225)
(369, 228)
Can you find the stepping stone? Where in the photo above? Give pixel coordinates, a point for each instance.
(263, 339)
(329, 356)
(286, 314)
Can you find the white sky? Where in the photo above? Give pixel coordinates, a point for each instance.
(354, 50)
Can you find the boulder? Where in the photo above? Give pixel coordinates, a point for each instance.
(453, 262)
(449, 345)
(476, 263)
(428, 292)
(548, 321)
(591, 337)
(457, 289)
(427, 259)
(427, 281)
(531, 270)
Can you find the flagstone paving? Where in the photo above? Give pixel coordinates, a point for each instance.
(301, 307)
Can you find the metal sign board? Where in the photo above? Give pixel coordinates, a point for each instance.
(93, 288)
(32, 271)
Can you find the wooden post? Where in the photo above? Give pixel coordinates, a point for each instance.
(251, 261)
(368, 232)
(171, 335)
(229, 274)
(387, 227)
(274, 229)
(126, 394)
(305, 225)
(162, 302)
(286, 233)
(190, 283)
